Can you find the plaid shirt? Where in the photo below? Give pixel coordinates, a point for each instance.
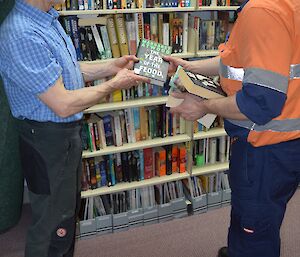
(34, 52)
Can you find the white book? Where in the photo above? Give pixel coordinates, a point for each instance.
(98, 41)
(166, 34)
(131, 123)
(106, 42)
(212, 150)
(185, 32)
(118, 131)
(222, 148)
(90, 209)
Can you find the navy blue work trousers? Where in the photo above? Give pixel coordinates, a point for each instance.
(262, 180)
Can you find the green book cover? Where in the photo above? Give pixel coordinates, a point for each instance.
(151, 63)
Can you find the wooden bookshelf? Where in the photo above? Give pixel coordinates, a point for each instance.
(213, 132)
(134, 184)
(217, 8)
(139, 102)
(209, 168)
(138, 145)
(147, 10)
(207, 53)
(134, 10)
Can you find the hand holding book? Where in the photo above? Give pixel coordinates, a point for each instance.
(197, 88)
(126, 79)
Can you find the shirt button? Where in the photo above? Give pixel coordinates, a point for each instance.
(32, 131)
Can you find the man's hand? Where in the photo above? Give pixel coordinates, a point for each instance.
(174, 62)
(125, 61)
(126, 79)
(192, 108)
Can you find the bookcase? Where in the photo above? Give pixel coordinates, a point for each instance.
(139, 216)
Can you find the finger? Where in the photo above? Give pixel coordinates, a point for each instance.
(168, 58)
(131, 58)
(141, 78)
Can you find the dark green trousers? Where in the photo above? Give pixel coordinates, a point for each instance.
(51, 161)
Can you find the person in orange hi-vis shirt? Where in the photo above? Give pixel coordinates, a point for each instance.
(259, 69)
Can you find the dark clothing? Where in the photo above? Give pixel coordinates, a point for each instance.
(262, 180)
(51, 161)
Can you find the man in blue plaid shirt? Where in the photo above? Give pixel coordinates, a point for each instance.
(45, 88)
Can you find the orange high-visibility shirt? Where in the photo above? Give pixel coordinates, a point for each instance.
(264, 49)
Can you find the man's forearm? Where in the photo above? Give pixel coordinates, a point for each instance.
(68, 102)
(206, 67)
(225, 107)
(94, 71)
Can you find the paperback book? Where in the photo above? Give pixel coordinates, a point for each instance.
(151, 64)
(198, 85)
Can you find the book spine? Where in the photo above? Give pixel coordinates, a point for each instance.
(98, 41)
(121, 33)
(113, 37)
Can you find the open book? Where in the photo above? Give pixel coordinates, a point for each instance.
(196, 84)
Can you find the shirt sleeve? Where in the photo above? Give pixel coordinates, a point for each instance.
(33, 66)
(260, 104)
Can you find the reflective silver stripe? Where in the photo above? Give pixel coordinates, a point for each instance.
(266, 79)
(230, 72)
(287, 125)
(248, 124)
(295, 71)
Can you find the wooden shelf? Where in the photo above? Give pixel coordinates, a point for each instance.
(217, 8)
(207, 53)
(147, 10)
(134, 10)
(138, 145)
(133, 185)
(145, 101)
(213, 132)
(209, 168)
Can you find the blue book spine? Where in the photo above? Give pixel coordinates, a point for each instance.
(112, 169)
(141, 163)
(136, 118)
(103, 173)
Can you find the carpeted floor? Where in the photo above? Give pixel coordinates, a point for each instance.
(194, 236)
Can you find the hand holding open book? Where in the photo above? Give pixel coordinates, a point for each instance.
(197, 85)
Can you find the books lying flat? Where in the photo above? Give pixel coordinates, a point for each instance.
(196, 84)
(151, 63)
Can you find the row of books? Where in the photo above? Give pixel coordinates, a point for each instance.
(130, 126)
(211, 183)
(118, 35)
(217, 2)
(142, 90)
(129, 4)
(130, 200)
(133, 166)
(211, 150)
(119, 4)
